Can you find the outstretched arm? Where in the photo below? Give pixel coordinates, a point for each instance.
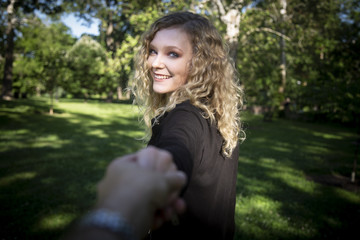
(142, 189)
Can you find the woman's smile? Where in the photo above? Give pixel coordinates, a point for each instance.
(160, 77)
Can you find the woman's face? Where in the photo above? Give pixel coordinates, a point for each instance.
(169, 56)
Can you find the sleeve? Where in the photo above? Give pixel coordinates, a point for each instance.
(181, 136)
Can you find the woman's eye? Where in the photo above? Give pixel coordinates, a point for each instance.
(152, 51)
(173, 54)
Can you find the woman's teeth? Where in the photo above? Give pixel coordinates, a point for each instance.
(161, 76)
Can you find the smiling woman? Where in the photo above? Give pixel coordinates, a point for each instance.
(169, 57)
(187, 84)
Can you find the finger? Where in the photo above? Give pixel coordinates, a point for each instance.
(129, 158)
(119, 163)
(179, 206)
(165, 162)
(168, 213)
(176, 180)
(147, 158)
(158, 222)
(155, 159)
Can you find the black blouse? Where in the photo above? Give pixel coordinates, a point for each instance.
(210, 193)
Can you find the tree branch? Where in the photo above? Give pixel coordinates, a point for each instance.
(265, 29)
(221, 7)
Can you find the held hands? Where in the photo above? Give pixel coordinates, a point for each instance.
(144, 188)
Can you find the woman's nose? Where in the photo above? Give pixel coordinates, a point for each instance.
(158, 62)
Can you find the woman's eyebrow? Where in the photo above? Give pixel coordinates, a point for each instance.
(151, 46)
(174, 47)
(170, 47)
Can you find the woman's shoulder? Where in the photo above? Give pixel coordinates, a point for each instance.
(179, 112)
(186, 115)
(186, 108)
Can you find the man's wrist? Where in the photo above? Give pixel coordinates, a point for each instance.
(111, 221)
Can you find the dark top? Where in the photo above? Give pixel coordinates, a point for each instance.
(210, 195)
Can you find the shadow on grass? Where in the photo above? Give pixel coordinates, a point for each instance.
(49, 165)
(275, 199)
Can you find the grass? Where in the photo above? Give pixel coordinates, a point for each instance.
(275, 198)
(49, 166)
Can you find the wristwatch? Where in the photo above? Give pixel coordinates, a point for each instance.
(109, 220)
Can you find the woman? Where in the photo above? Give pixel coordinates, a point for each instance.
(187, 85)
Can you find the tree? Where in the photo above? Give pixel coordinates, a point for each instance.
(321, 38)
(325, 58)
(86, 60)
(230, 14)
(41, 59)
(17, 12)
(261, 61)
(9, 48)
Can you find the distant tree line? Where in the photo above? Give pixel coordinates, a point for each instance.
(297, 59)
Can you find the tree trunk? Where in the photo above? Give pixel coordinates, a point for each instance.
(232, 20)
(109, 38)
(119, 93)
(353, 173)
(231, 16)
(282, 48)
(282, 65)
(38, 91)
(109, 97)
(51, 110)
(9, 53)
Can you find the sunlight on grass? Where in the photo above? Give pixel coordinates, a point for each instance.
(327, 135)
(56, 221)
(10, 139)
(23, 139)
(19, 109)
(276, 171)
(99, 109)
(50, 140)
(348, 196)
(294, 179)
(259, 140)
(16, 177)
(53, 162)
(315, 149)
(257, 213)
(98, 133)
(281, 149)
(261, 217)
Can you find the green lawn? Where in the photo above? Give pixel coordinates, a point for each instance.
(49, 166)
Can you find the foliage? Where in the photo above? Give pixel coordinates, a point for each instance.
(16, 13)
(86, 60)
(321, 41)
(320, 48)
(41, 64)
(259, 59)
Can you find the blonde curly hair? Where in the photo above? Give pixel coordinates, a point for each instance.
(211, 83)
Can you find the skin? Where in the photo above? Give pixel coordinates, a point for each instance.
(169, 56)
(143, 187)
